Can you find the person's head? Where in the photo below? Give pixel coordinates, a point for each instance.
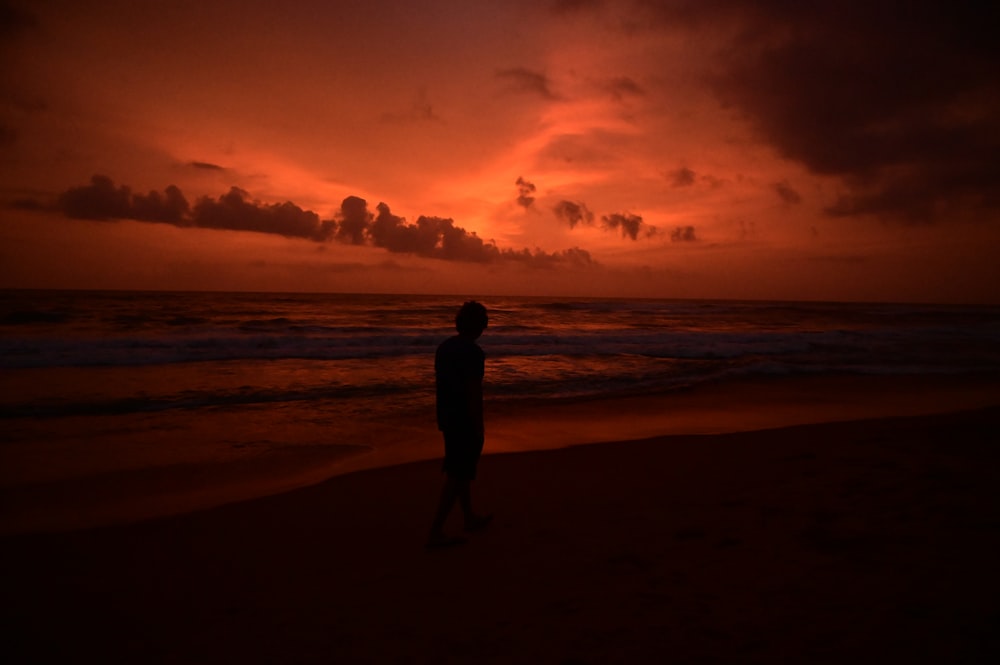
(471, 319)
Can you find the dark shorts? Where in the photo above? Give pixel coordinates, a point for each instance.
(461, 454)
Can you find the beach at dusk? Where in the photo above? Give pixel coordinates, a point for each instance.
(120, 406)
(861, 541)
(194, 477)
(560, 331)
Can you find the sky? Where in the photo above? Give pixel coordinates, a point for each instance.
(767, 150)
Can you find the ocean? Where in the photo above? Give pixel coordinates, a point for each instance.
(86, 353)
(105, 382)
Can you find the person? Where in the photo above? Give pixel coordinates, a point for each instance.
(459, 367)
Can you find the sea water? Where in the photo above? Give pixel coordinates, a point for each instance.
(95, 382)
(148, 351)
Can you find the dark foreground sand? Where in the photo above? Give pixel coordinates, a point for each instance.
(860, 542)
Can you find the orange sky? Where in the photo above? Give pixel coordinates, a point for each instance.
(714, 149)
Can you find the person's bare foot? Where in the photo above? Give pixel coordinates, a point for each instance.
(477, 522)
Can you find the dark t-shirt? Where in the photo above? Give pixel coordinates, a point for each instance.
(459, 366)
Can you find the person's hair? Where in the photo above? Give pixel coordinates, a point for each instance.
(471, 318)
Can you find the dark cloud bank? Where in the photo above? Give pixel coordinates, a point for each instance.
(431, 237)
(899, 99)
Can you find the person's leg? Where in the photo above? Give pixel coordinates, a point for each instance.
(473, 522)
(449, 493)
(464, 493)
(461, 457)
(459, 467)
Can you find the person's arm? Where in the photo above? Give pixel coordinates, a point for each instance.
(473, 390)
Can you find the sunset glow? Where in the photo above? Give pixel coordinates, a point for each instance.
(834, 151)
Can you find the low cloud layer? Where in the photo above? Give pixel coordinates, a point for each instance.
(429, 237)
(439, 238)
(101, 200)
(235, 211)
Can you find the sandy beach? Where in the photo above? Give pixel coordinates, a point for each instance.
(58, 474)
(866, 541)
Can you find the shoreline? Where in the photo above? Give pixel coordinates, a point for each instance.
(137, 489)
(857, 541)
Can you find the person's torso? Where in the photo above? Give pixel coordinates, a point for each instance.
(459, 367)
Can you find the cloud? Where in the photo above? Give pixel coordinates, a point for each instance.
(622, 87)
(627, 222)
(420, 111)
(29, 204)
(170, 207)
(920, 196)
(99, 200)
(630, 225)
(14, 21)
(523, 80)
(683, 234)
(525, 190)
(455, 242)
(712, 181)
(354, 220)
(394, 234)
(439, 238)
(102, 200)
(786, 193)
(573, 213)
(540, 259)
(592, 149)
(206, 166)
(901, 102)
(235, 211)
(682, 177)
(429, 237)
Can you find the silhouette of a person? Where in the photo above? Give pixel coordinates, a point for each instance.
(459, 366)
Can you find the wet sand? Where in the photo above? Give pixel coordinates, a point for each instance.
(79, 472)
(866, 541)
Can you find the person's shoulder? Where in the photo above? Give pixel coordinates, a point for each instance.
(459, 344)
(451, 346)
(452, 342)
